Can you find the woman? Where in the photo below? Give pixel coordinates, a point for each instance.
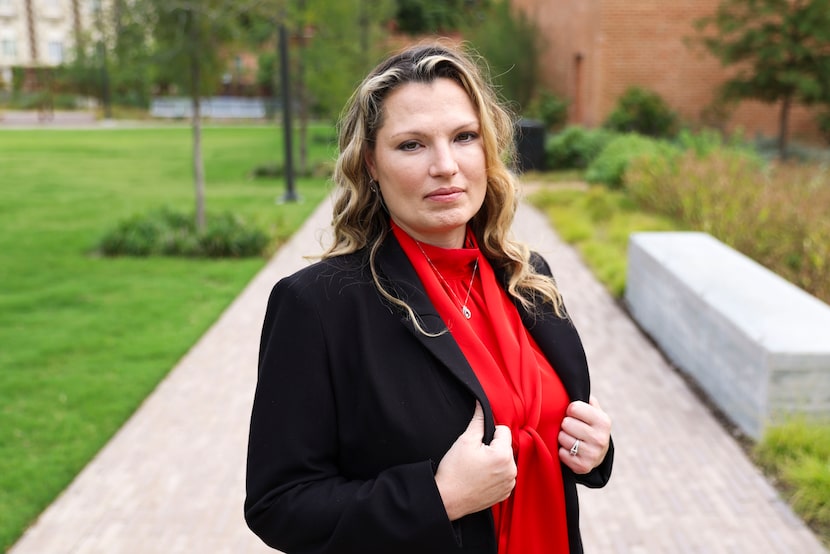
(421, 388)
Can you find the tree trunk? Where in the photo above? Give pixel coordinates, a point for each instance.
(76, 26)
(363, 23)
(198, 166)
(195, 90)
(30, 25)
(301, 92)
(784, 127)
(290, 194)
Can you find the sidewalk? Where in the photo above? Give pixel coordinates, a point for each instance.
(172, 479)
(41, 119)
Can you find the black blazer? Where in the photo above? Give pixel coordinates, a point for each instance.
(354, 409)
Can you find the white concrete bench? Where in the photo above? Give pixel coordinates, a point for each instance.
(757, 345)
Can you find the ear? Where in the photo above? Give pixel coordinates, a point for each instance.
(369, 160)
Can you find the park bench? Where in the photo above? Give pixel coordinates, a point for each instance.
(757, 345)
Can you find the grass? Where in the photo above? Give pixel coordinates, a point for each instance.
(796, 455)
(84, 338)
(598, 221)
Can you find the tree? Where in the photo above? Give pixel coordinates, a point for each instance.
(511, 45)
(132, 68)
(779, 48)
(431, 16)
(350, 32)
(188, 37)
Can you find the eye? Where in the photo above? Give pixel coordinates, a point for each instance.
(466, 136)
(408, 146)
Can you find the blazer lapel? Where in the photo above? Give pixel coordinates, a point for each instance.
(400, 278)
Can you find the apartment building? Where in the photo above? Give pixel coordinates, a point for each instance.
(596, 49)
(38, 33)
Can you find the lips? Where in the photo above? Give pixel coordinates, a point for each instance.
(445, 193)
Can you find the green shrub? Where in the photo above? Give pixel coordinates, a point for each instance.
(598, 221)
(227, 236)
(550, 109)
(167, 233)
(575, 147)
(319, 169)
(267, 171)
(642, 111)
(610, 165)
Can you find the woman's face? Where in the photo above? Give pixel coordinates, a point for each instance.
(428, 160)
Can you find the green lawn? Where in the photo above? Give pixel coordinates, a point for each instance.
(84, 339)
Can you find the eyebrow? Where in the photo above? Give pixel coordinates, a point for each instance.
(472, 123)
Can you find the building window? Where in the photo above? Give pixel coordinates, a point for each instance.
(52, 9)
(8, 48)
(6, 8)
(54, 51)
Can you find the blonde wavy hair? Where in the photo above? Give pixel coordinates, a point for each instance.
(360, 219)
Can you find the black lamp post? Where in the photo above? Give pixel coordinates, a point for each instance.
(290, 194)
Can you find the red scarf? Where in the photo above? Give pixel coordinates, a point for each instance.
(523, 389)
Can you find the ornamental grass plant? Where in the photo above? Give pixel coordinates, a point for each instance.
(775, 213)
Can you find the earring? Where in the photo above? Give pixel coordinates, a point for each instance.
(373, 186)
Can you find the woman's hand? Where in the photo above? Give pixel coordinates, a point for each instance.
(472, 476)
(591, 426)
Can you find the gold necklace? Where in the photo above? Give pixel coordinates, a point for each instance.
(464, 309)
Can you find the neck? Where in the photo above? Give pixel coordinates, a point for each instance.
(450, 239)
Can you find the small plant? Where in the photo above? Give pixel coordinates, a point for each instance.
(319, 169)
(644, 112)
(267, 171)
(575, 147)
(167, 233)
(550, 109)
(610, 166)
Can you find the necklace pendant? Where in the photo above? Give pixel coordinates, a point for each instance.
(466, 311)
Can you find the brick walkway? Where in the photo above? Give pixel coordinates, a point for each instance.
(172, 479)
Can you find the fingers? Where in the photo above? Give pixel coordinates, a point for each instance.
(589, 424)
(472, 475)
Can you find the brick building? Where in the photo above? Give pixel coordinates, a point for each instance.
(596, 49)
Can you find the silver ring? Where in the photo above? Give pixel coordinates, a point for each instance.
(575, 448)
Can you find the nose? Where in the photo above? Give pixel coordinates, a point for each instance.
(443, 163)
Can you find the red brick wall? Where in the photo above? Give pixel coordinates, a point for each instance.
(640, 42)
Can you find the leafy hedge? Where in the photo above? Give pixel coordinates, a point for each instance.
(642, 111)
(610, 165)
(575, 147)
(164, 232)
